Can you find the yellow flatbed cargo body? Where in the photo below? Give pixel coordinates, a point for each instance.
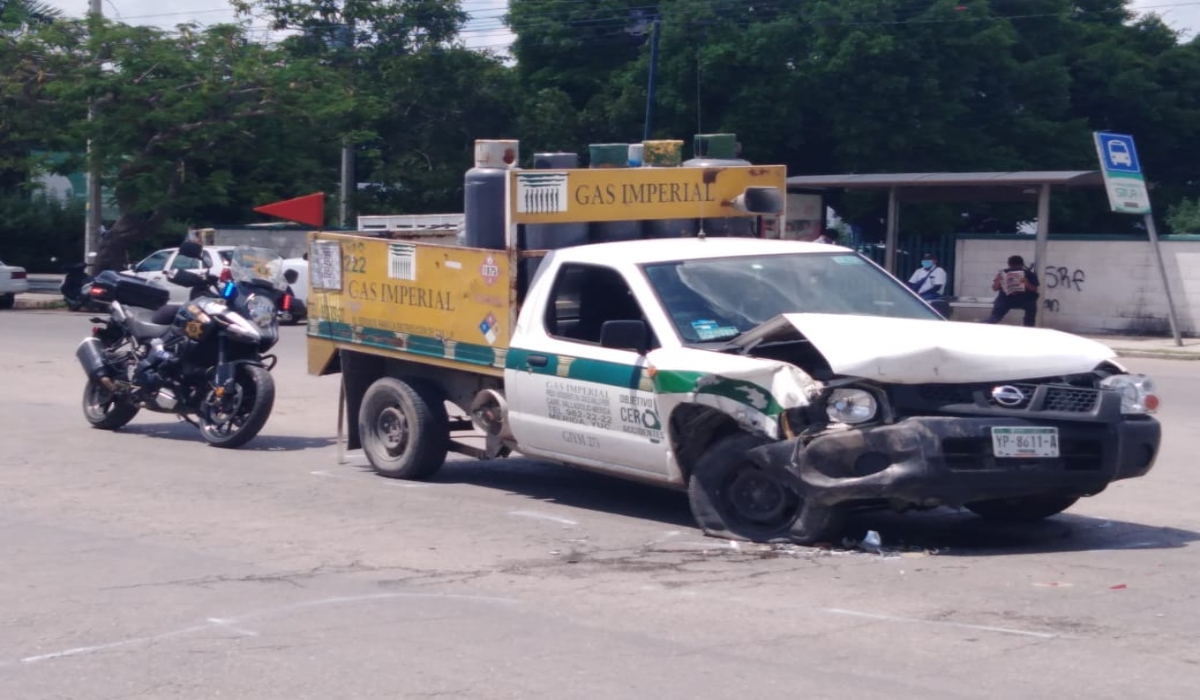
(446, 305)
(456, 307)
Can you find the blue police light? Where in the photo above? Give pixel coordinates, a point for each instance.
(229, 291)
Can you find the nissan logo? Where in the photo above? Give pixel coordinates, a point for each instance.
(1008, 395)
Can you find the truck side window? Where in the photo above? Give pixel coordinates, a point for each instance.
(584, 297)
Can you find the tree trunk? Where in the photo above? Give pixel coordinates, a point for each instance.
(113, 251)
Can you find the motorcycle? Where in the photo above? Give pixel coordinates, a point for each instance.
(204, 361)
(291, 310)
(76, 289)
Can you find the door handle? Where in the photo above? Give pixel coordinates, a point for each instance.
(537, 360)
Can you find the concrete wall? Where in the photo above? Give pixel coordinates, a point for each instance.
(1093, 284)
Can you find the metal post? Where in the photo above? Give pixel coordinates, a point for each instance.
(92, 221)
(1162, 271)
(893, 225)
(347, 183)
(1041, 242)
(653, 75)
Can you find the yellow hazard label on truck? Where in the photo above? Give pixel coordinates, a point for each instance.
(431, 300)
(564, 196)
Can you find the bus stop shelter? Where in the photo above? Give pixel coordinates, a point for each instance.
(1023, 186)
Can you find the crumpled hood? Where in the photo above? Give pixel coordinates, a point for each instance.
(907, 351)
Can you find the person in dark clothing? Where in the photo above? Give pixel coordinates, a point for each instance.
(1017, 288)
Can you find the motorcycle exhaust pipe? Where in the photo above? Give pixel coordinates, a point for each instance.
(90, 354)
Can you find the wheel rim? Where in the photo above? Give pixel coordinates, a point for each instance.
(100, 401)
(392, 429)
(227, 415)
(758, 498)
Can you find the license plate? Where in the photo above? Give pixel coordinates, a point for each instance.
(1025, 442)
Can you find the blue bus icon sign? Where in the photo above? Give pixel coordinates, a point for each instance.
(1117, 153)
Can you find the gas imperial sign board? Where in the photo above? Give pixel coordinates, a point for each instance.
(623, 194)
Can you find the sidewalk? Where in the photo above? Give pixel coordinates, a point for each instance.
(1150, 346)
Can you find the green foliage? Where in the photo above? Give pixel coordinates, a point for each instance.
(40, 234)
(1184, 217)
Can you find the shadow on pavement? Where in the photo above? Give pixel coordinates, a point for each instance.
(262, 443)
(955, 532)
(949, 532)
(552, 483)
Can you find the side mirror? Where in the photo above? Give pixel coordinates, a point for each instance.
(190, 249)
(625, 335)
(291, 276)
(759, 200)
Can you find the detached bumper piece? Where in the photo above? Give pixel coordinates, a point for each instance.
(949, 460)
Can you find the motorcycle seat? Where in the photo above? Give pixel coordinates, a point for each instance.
(145, 324)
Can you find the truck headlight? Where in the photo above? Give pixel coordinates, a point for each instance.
(851, 406)
(1137, 392)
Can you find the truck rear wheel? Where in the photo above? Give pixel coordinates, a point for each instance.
(404, 429)
(733, 497)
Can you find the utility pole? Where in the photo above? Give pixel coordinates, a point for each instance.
(91, 234)
(348, 179)
(653, 75)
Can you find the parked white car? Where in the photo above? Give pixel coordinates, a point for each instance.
(13, 281)
(154, 267)
(213, 261)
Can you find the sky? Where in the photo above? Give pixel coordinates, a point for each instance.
(486, 28)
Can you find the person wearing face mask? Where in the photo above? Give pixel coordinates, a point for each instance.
(929, 281)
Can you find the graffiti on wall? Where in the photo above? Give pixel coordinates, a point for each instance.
(1064, 278)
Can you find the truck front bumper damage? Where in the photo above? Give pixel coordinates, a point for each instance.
(932, 461)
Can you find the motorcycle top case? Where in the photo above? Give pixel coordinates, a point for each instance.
(129, 290)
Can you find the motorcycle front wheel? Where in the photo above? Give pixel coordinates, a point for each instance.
(234, 419)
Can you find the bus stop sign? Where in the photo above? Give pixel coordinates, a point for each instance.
(1123, 179)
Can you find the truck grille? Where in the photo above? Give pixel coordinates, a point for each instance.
(1056, 398)
(1070, 400)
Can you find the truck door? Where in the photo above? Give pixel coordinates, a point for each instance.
(571, 398)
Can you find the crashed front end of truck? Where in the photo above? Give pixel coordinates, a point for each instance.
(907, 411)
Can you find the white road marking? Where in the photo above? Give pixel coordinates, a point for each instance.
(542, 516)
(234, 623)
(962, 625)
(231, 626)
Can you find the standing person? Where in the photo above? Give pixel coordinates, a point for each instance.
(1017, 288)
(929, 281)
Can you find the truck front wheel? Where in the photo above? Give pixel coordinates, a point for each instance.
(732, 497)
(404, 429)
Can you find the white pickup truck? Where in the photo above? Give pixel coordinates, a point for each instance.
(779, 383)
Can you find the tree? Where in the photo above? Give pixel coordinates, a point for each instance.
(421, 99)
(172, 110)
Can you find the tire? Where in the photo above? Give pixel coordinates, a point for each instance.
(103, 410)
(251, 408)
(404, 429)
(1026, 509)
(732, 497)
(7, 301)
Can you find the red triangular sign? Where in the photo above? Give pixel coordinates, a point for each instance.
(309, 209)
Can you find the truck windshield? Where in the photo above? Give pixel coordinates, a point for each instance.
(720, 298)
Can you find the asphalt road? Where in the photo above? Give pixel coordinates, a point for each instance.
(144, 564)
